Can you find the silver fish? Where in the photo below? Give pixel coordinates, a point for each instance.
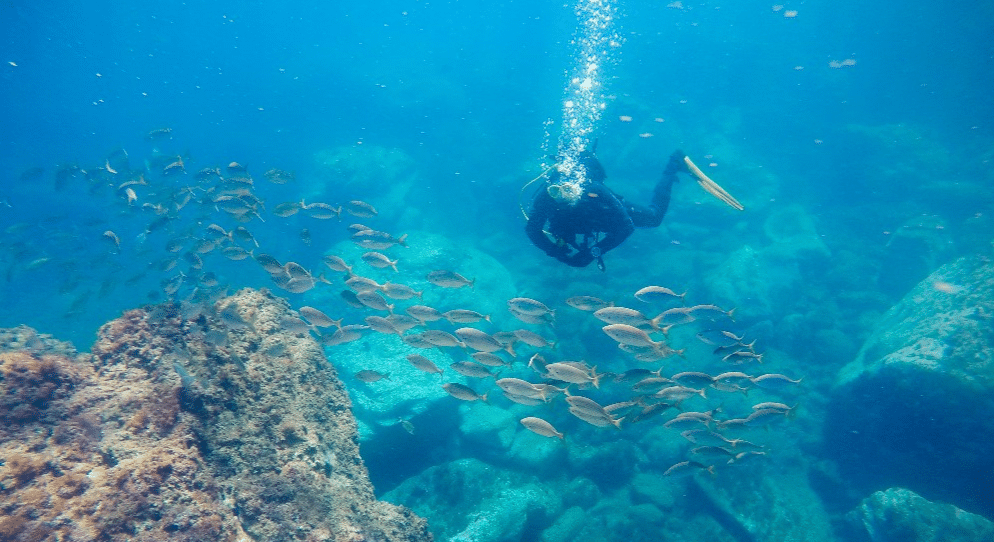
(463, 393)
(541, 427)
(317, 317)
(587, 303)
(449, 279)
(623, 315)
(361, 209)
(471, 369)
(652, 294)
(378, 260)
(424, 313)
(525, 305)
(482, 342)
(423, 364)
(464, 316)
(630, 335)
(399, 291)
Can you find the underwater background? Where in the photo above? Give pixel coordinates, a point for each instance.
(857, 136)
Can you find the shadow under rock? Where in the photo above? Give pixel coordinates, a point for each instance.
(393, 455)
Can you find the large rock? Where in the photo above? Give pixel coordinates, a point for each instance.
(764, 502)
(472, 501)
(910, 409)
(196, 428)
(898, 515)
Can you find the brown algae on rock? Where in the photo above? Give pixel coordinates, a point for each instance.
(160, 434)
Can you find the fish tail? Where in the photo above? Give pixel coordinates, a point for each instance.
(655, 323)
(510, 350)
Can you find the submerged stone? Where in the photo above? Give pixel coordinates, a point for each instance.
(161, 434)
(898, 514)
(907, 409)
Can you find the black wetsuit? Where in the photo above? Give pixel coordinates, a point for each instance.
(599, 221)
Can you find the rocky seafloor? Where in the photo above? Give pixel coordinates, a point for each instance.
(180, 426)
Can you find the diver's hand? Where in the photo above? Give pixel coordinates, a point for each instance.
(676, 163)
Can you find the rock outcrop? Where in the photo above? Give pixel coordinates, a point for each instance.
(913, 408)
(185, 425)
(898, 514)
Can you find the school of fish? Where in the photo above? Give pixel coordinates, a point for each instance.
(190, 219)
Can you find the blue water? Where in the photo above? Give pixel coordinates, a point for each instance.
(464, 89)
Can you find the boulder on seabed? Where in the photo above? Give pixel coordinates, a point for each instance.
(409, 391)
(898, 514)
(762, 280)
(763, 502)
(914, 407)
(469, 500)
(362, 171)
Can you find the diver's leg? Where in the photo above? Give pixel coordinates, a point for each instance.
(652, 216)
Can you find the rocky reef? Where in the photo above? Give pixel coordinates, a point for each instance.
(913, 409)
(899, 514)
(211, 423)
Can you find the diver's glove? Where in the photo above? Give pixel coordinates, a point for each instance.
(676, 163)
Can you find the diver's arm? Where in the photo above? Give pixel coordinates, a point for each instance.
(620, 226)
(616, 236)
(541, 211)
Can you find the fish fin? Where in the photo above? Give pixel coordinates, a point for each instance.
(655, 323)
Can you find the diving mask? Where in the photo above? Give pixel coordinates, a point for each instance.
(568, 192)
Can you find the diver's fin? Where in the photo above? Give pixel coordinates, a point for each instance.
(712, 187)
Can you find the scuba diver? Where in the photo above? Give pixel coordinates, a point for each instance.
(586, 218)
